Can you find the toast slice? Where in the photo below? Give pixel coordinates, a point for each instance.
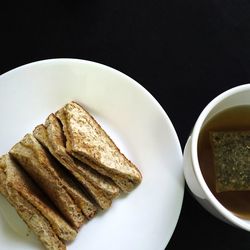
(58, 141)
(101, 188)
(34, 219)
(40, 166)
(87, 207)
(19, 181)
(89, 143)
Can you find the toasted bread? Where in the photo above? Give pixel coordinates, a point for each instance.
(55, 130)
(45, 172)
(33, 217)
(18, 180)
(89, 143)
(100, 187)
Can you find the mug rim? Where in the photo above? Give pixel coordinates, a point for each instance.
(227, 214)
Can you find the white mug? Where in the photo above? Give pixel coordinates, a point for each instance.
(233, 97)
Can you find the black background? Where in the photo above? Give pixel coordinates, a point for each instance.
(184, 52)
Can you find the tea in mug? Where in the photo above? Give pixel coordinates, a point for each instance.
(224, 158)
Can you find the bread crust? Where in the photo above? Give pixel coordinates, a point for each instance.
(58, 141)
(100, 187)
(87, 207)
(89, 143)
(44, 171)
(29, 213)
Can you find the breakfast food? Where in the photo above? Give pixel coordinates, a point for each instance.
(59, 177)
(100, 188)
(231, 151)
(32, 206)
(41, 167)
(89, 143)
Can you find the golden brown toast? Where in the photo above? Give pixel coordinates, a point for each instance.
(55, 130)
(44, 171)
(12, 178)
(40, 133)
(100, 187)
(89, 143)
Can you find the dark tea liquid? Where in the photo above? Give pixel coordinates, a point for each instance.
(236, 118)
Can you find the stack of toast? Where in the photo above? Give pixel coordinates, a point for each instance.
(61, 175)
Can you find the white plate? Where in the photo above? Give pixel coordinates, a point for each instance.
(146, 218)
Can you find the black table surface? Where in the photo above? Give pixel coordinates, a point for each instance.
(184, 52)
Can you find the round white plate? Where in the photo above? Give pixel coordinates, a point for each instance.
(144, 219)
